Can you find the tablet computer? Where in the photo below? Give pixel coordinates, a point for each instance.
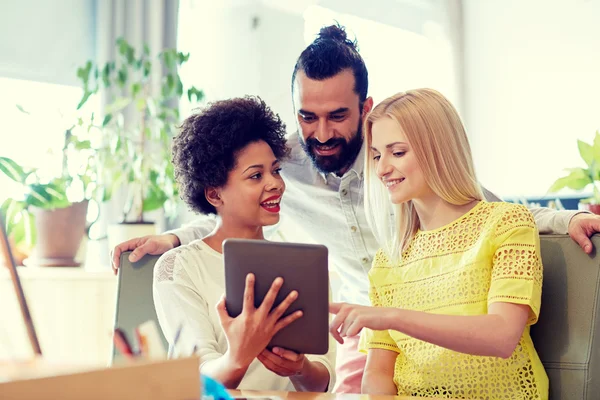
(303, 268)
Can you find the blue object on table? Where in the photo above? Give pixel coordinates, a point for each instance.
(212, 389)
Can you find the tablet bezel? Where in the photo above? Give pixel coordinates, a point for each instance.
(303, 267)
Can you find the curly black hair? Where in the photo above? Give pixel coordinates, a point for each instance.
(205, 150)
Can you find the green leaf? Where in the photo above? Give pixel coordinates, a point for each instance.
(122, 45)
(84, 99)
(83, 145)
(106, 120)
(182, 58)
(38, 196)
(83, 73)
(106, 75)
(12, 170)
(10, 209)
(28, 224)
(154, 199)
(140, 104)
(169, 58)
(22, 109)
(586, 151)
(577, 180)
(168, 85)
(147, 68)
(136, 88)
(119, 104)
(122, 76)
(106, 193)
(179, 88)
(196, 93)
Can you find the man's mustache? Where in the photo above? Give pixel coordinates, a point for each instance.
(311, 142)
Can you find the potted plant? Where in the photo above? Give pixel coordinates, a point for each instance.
(47, 219)
(136, 130)
(581, 178)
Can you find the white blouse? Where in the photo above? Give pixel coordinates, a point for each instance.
(188, 283)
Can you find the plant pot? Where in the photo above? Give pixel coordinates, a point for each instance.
(593, 208)
(59, 235)
(119, 233)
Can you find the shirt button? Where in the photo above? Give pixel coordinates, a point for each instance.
(365, 260)
(353, 228)
(344, 192)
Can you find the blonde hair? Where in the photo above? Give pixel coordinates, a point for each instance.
(437, 137)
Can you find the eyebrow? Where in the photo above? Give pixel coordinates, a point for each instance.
(388, 146)
(259, 166)
(336, 111)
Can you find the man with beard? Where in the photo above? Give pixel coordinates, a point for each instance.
(324, 177)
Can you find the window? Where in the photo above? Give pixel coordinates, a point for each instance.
(33, 136)
(397, 59)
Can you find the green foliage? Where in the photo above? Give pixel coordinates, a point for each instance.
(581, 178)
(18, 219)
(138, 125)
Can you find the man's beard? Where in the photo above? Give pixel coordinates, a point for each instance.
(349, 150)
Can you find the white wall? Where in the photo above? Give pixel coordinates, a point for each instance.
(532, 88)
(46, 40)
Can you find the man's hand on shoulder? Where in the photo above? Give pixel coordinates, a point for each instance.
(581, 227)
(152, 244)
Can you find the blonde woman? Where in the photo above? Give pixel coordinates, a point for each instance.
(457, 282)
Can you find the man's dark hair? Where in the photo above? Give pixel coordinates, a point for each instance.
(329, 54)
(205, 150)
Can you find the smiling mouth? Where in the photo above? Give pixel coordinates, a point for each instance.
(271, 205)
(393, 182)
(327, 150)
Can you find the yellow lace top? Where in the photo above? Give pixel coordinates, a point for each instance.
(490, 254)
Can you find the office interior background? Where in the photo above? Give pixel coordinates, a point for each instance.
(524, 75)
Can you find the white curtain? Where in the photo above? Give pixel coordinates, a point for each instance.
(139, 22)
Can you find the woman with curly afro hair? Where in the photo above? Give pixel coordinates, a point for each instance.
(227, 163)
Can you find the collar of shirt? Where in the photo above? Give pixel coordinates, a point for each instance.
(357, 168)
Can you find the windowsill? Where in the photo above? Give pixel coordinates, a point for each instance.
(75, 273)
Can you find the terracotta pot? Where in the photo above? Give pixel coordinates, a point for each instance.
(593, 208)
(59, 235)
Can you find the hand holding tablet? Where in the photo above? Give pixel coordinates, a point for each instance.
(290, 267)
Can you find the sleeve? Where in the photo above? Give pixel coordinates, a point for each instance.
(370, 339)
(548, 221)
(328, 360)
(552, 221)
(196, 229)
(517, 267)
(179, 302)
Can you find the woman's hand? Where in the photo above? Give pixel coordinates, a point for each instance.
(282, 362)
(249, 333)
(350, 319)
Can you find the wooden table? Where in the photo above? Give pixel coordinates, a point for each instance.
(321, 396)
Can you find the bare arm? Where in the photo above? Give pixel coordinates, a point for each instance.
(495, 334)
(159, 244)
(379, 373)
(314, 377)
(197, 229)
(224, 370)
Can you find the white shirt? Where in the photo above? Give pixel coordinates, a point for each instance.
(330, 209)
(188, 283)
